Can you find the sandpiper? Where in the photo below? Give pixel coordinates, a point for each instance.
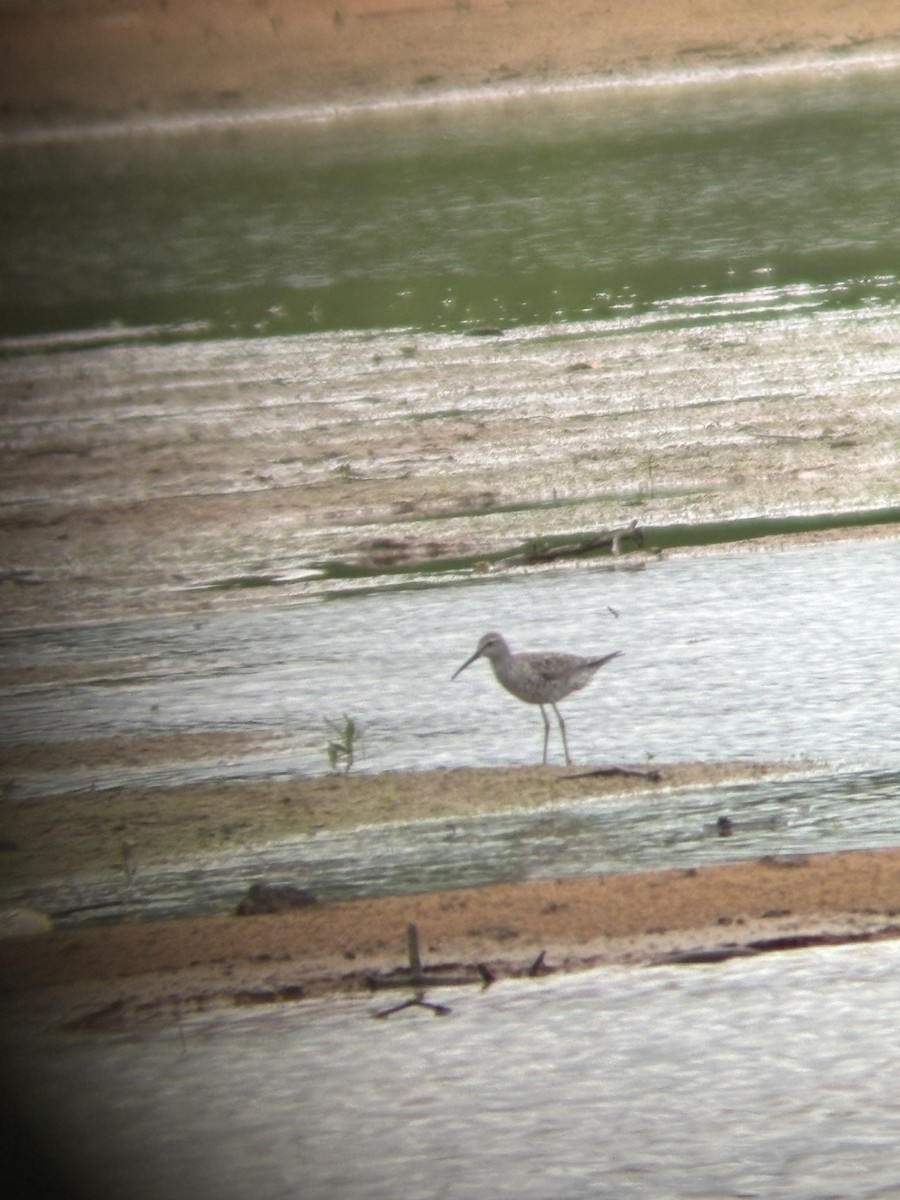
(538, 677)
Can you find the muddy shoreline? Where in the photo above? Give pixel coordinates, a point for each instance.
(72, 60)
(79, 532)
(132, 976)
(99, 832)
(141, 973)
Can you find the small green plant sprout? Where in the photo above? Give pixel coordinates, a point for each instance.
(129, 865)
(650, 464)
(341, 744)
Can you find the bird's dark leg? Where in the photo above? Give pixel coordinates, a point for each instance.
(546, 731)
(562, 730)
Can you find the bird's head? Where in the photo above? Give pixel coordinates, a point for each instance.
(492, 646)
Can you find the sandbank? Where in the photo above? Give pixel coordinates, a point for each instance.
(70, 60)
(135, 975)
(129, 974)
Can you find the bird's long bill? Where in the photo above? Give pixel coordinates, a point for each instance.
(467, 663)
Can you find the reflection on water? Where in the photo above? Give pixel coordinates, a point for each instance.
(771, 1077)
(768, 189)
(760, 656)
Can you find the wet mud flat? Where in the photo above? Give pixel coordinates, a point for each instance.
(120, 831)
(72, 60)
(139, 974)
(274, 479)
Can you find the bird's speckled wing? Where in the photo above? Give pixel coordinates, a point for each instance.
(543, 677)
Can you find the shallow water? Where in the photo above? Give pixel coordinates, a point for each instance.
(813, 813)
(771, 656)
(735, 195)
(726, 657)
(771, 1077)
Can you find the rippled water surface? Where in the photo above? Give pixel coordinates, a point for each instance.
(762, 656)
(734, 194)
(741, 193)
(772, 1077)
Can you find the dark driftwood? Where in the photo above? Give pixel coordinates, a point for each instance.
(774, 945)
(608, 539)
(652, 775)
(439, 1010)
(419, 978)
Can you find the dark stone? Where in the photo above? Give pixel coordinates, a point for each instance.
(274, 898)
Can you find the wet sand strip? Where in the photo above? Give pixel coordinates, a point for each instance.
(133, 973)
(73, 59)
(111, 831)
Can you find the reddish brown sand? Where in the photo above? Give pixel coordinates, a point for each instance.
(65, 60)
(133, 974)
(115, 976)
(61, 59)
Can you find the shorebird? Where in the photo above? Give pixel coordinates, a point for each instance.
(538, 677)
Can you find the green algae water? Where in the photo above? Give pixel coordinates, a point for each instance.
(723, 197)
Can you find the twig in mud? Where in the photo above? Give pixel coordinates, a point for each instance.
(487, 975)
(412, 946)
(538, 967)
(419, 978)
(418, 1001)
